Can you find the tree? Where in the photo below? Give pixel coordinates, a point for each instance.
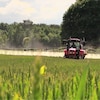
(18, 36)
(3, 38)
(82, 20)
(55, 39)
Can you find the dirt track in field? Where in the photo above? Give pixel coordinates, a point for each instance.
(43, 53)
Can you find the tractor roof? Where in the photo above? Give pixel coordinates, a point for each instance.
(71, 39)
(74, 39)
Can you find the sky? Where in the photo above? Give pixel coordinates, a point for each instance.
(38, 11)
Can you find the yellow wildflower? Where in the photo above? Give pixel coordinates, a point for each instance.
(17, 97)
(43, 70)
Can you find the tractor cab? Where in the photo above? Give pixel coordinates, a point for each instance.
(74, 48)
(73, 43)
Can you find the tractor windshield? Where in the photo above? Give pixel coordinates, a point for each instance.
(74, 44)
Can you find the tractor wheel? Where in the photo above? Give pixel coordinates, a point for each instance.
(66, 56)
(80, 57)
(83, 57)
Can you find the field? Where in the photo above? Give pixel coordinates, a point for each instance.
(61, 79)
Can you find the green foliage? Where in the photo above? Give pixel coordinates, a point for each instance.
(82, 85)
(15, 34)
(3, 38)
(20, 78)
(82, 20)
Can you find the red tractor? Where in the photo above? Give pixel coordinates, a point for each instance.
(74, 48)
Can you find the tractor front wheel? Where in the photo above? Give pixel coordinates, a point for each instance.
(80, 57)
(66, 56)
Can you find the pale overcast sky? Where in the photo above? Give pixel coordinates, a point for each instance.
(38, 11)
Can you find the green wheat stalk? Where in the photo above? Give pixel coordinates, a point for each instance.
(82, 84)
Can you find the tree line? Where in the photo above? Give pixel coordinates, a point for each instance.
(29, 35)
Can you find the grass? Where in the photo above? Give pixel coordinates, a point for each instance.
(64, 79)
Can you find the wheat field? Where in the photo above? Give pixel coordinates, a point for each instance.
(60, 79)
